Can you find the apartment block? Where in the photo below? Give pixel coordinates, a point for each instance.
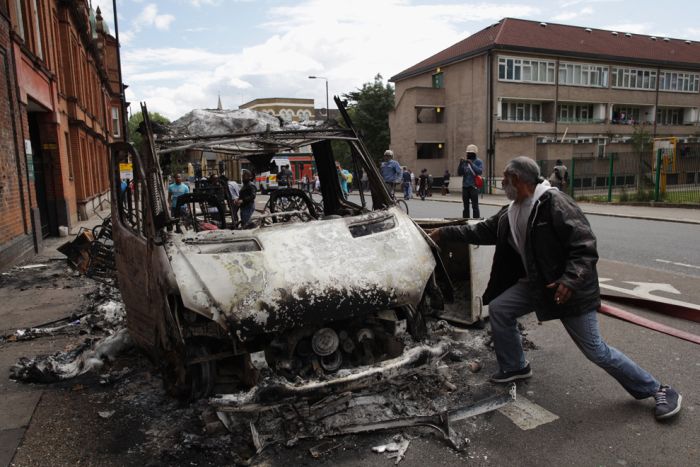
(547, 91)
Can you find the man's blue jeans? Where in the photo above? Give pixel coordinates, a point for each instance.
(407, 190)
(583, 329)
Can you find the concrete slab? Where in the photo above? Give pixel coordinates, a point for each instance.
(16, 409)
(9, 441)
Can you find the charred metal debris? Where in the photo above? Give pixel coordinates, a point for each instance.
(309, 321)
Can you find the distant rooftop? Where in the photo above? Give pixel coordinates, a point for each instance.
(575, 41)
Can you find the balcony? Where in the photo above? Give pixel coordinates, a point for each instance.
(425, 97)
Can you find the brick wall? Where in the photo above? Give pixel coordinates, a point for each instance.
(16, 239)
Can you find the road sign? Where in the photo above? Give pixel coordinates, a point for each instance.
(126, 171)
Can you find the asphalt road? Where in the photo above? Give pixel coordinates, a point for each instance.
(665, 246)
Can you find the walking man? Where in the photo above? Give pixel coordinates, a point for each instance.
(469, 168)
(545, 261)
(407, 188)
(391, 171)
(246, 199)
(174, 191)
(560, 176)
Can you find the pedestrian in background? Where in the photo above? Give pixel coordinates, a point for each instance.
(469, 168)
(446, 182)
(391, 172)
(407, 188)
(560, 176)
(246, 199)
(174, 191)
(364, 181)
(545, 261)
(423, 184)
(343, 179)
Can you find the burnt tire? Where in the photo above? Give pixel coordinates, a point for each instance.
(193, 381)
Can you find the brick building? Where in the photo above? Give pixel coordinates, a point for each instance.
(544, 90)
(61, 107)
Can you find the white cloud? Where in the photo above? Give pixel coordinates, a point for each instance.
(692, 34)
(635, 28)
(148, 17)
(336, 39)
(569, 15)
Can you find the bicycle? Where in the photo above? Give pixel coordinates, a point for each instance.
(402, 204)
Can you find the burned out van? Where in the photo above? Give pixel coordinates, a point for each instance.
(316, 283)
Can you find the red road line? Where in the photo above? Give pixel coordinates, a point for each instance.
(677, 311)
(647, 323)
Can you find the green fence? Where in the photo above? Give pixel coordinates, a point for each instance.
(634, 176)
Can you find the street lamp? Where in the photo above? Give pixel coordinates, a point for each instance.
(328, 110)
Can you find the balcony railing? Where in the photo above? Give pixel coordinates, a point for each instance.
(581, 120)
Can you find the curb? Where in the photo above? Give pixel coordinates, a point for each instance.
(442, 199)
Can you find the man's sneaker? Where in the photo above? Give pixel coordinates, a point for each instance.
(668, 402)
(507, 376)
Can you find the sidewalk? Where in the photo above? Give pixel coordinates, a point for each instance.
(655, 213)
(42, 290)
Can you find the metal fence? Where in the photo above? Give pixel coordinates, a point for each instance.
(634, 176)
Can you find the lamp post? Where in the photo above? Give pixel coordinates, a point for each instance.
(328, 110)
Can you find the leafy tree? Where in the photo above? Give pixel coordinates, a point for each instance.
(642, 143)
(369, 109)
(134, 122)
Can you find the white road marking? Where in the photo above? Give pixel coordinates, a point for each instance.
(526, 414)
(677, 264)
(645, 289)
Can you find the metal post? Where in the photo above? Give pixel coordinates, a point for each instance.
(657, 177)
(573, 175)
(122, 94)
(328, 109)
(610, 178)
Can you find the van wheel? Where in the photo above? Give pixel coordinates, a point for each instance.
(193, 381)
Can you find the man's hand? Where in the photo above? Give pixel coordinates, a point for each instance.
(434, 235)
(562, 294)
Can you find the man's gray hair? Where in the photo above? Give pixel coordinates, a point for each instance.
(524, 168)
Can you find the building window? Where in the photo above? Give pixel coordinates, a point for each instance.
(19, 7)
(669, 116)
(430, 150)
(116, 130)
(430, 114)
(625, 115)
(438, 82)
(286, 115)
(583, 74)
(679, 82)
(525, 70)
(38, 49)
(521, 111)
(633, 78)
(576, 113)
(304, 115)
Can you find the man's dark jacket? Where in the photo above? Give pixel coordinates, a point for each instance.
(559, 247)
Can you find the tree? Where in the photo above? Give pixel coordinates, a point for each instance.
(369, 109)
(135, 120)
(642, 143)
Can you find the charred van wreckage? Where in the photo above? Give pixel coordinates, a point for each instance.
(317, 296)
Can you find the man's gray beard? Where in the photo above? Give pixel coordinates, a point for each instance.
(511, 192)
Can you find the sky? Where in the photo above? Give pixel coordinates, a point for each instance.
(179, 55)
